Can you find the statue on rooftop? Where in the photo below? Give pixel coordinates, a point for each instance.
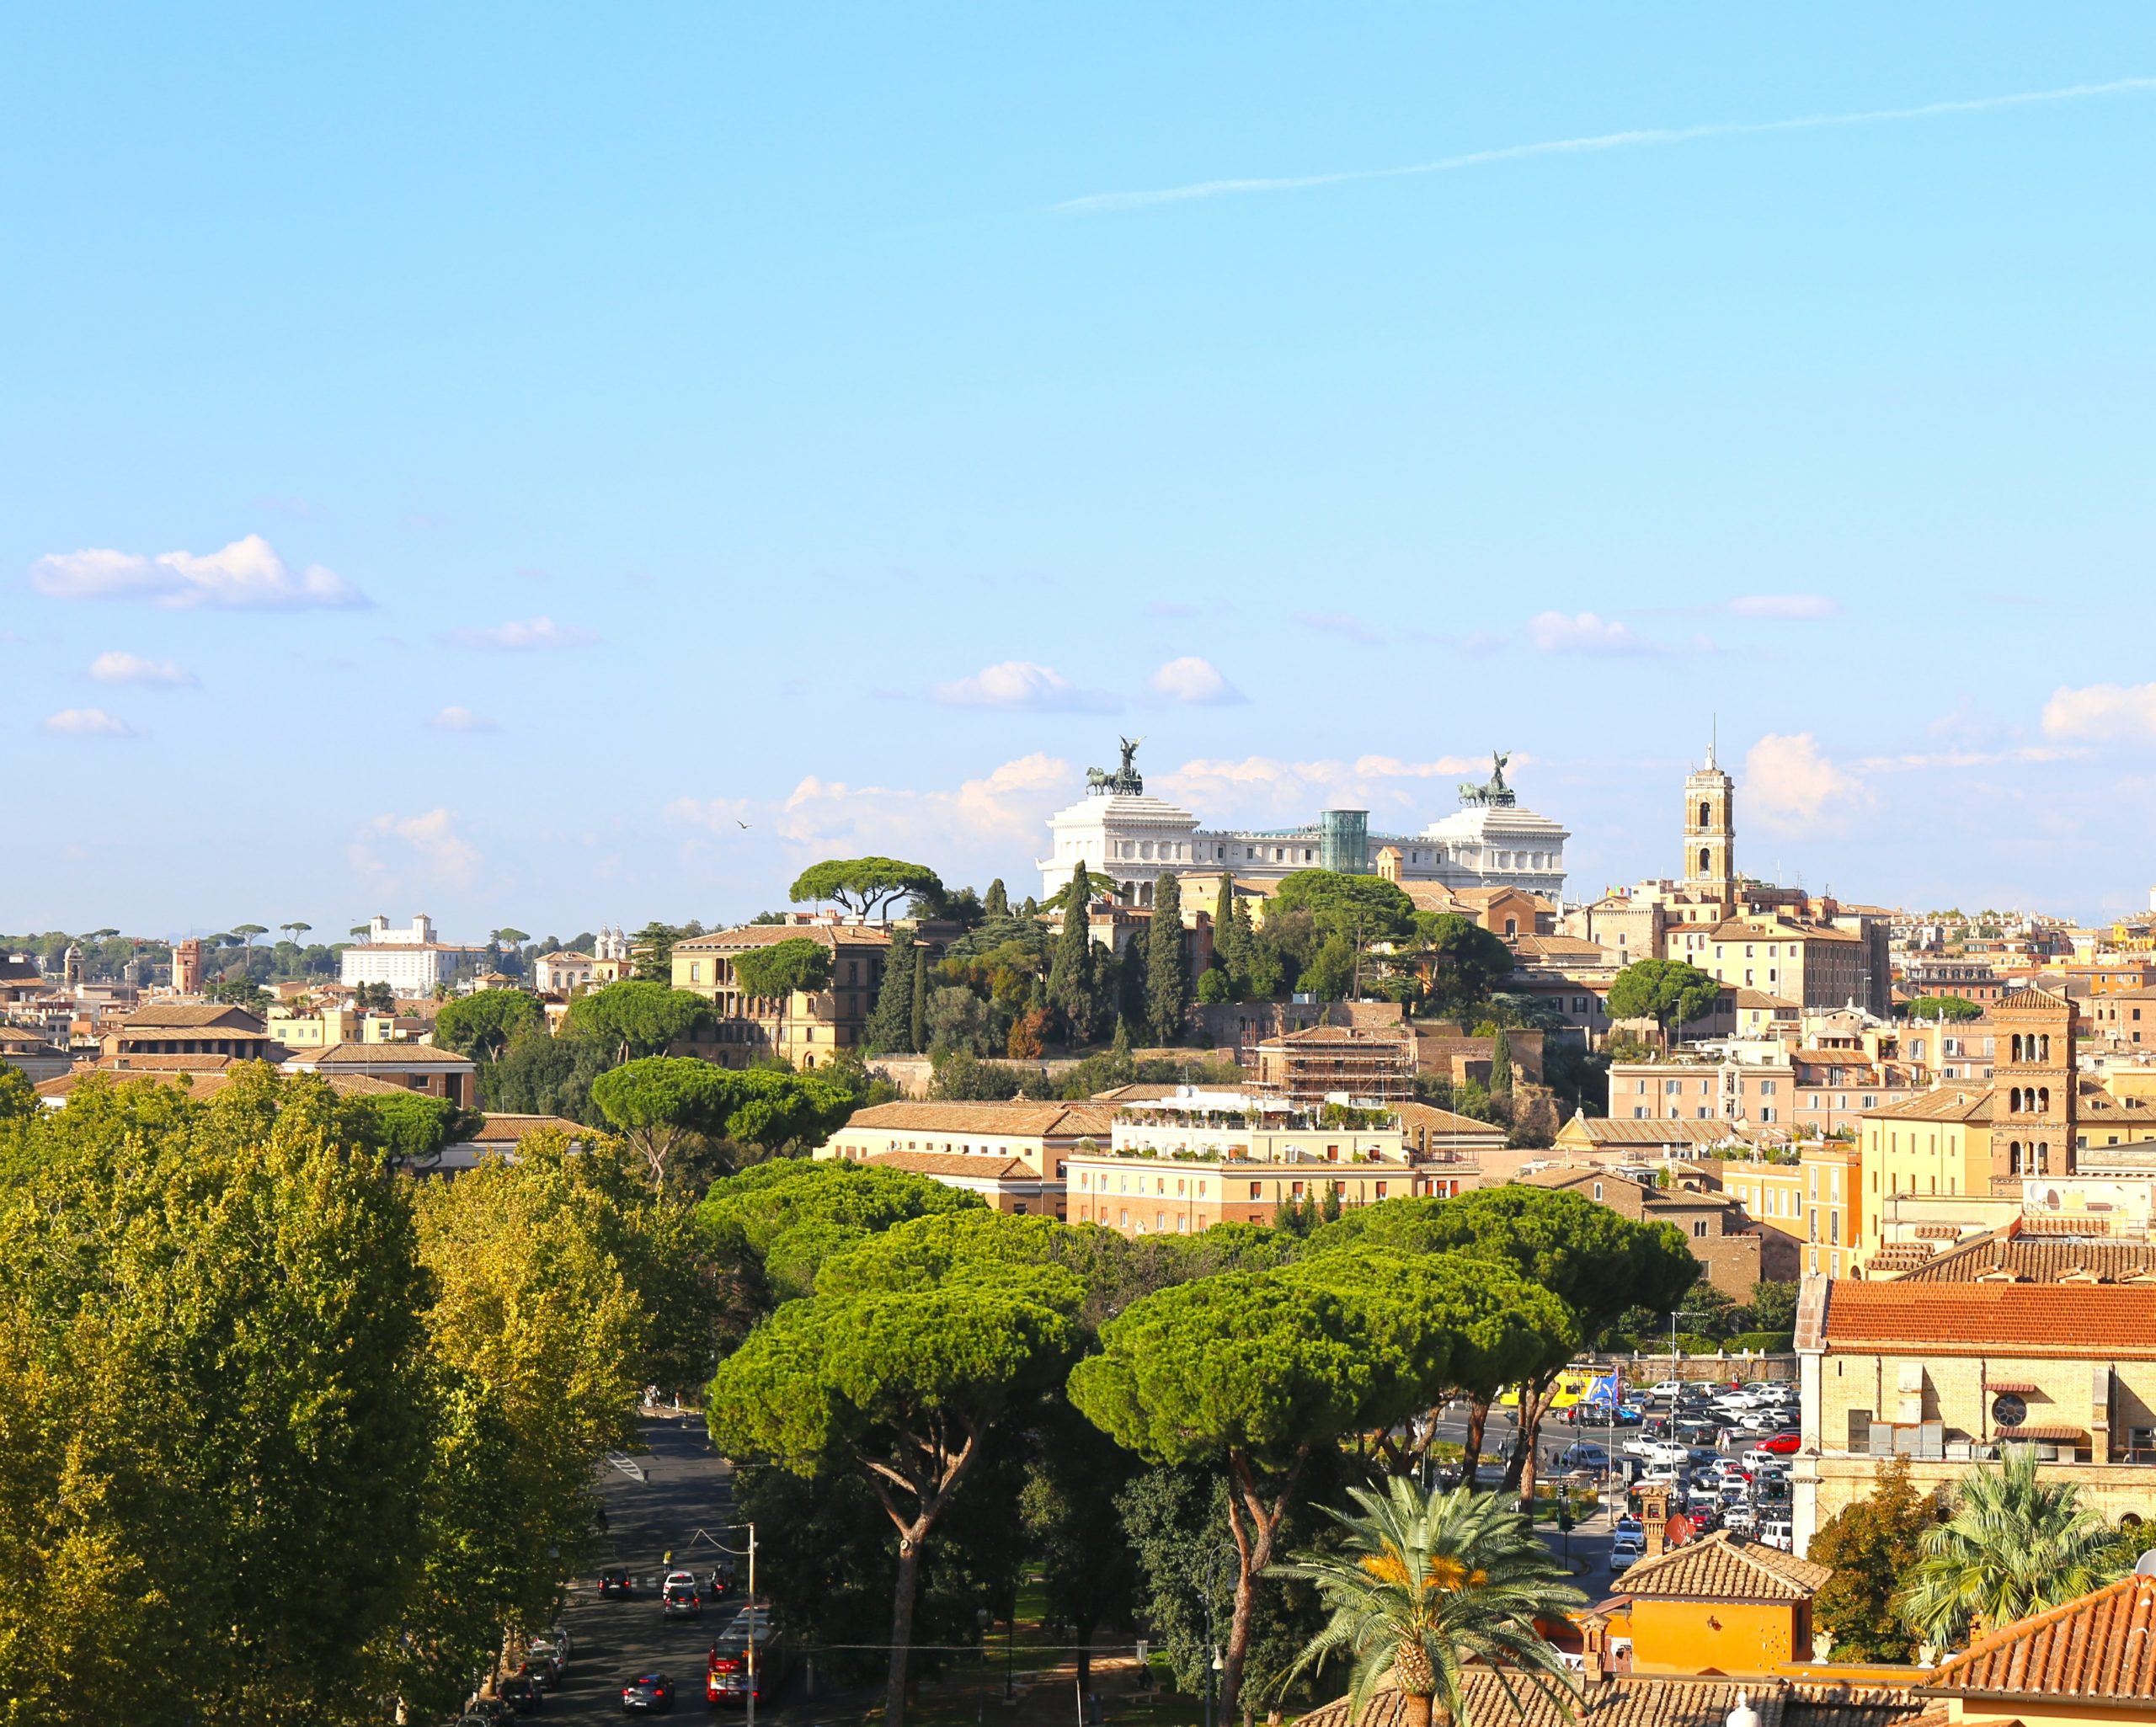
(1494, 793)
(1125, 781)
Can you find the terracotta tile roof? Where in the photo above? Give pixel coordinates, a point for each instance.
(1947, 1104)
(1977, 1318)
(1723, 1567)
(1760, 998)
(1395, 1038)
(141, 1061)
(1428, 1118)
(1650, 1700)
(1022, 1119)
(2027, 1257)
(506, 1129)
(189, 1016)
(2100, 1646)
(944, 1164)
(769, 935)
(1617, 1130)
(205, 1085)
(378, 1055)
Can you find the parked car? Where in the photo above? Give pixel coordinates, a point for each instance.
(553, 1644)
(543, 1669)
(1741, 1520)
(1783, 1443)
(647, 1693)
(1776, 1532)
(1667, 1388)
(1756, 1457)
(1584, 1456)
(521, 1693)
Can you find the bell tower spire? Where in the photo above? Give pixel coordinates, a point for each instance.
(1710, 832)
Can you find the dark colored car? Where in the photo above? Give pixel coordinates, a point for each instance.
(543, 1669)
(521, 1693)
(647, 1693)
(1784, 1443)
(616, 1583)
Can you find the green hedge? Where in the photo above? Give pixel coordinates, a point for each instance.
(1771, 1342)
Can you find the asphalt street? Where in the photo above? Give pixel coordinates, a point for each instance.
(680, 1489)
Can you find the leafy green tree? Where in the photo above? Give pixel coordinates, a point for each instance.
(904, 1384)
(1463, 959)
(800, 965)
(18, 1098)
(1089, 1572)
(296, 930)
(866, 885)
(917, 1006)
(1071, 980)
(1872, 1544)
(248, 932)
(1423, 1585)
(2013, 1545)
(484, 1023)
(1500, 1065)
(1774, 1307)
(997, 904)
(1248, 1372)
(638, 1017)
(378, 998)
(1132, 970)
(652, 950)
(1365, 908)
(1167, 967)
(660, 1102)
(1229, 952)
(1667, 991)
(1597, 1263)
(414, 1129)
(1330, 975)
(1955, 1009)
(1213, 987)
(889, 1030)
(239, 992)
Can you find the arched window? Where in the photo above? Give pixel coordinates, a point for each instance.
(1511, 926)
(1705, 821)
(1704, 865)
(2017, 1045)
(2045, 1099)
(2014, 1158)
(2046, 1042)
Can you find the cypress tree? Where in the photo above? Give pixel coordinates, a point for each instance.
(917, 1008)
(1500, 1065)
(998, 903)
(889, 1030)
(1328, 1207)
(1070, 976)
(1168, 969)
(1130, 978)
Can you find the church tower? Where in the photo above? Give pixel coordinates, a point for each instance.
(1711, 833)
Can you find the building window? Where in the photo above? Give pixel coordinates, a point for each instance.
(1699, 1227)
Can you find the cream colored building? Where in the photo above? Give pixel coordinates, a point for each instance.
(810, 1027)
(1948, 1374)
(1011, 1154)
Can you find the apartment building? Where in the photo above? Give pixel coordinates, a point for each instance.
(1736, 1252)
(1811, 1092)
(1013, 1154)
(413, 961)
(1180, 1163)
(192, 1028)
(807, 1026)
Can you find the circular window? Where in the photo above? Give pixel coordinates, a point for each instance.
(2008, 1410)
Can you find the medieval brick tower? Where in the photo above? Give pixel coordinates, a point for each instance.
(1711, 833)
(2033, 1110)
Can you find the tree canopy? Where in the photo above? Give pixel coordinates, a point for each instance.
(1667, 991)
(775, 972)
(638, 1017)
(866, 885)
(1955, 1009)
(486, 1022)
(1465, 960)
(1366, 909)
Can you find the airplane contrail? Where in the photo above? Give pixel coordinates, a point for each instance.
(1099, 201)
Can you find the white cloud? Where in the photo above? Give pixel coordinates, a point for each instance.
(1791, 785)
(1583, 632)
(246, 575)
(1195, 680)
(118, 667)
(461, 719)
(1020, 684)
(524, 636)
(986, 822)
(2103, 713)
(426, 850)
(87, 722)
(1785, 605)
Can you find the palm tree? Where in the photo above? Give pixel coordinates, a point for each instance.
(1422, 1585)
(2013, 1546)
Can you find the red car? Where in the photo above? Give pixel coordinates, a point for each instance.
(1784, 1443)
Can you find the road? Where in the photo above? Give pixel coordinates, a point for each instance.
(685, 1489)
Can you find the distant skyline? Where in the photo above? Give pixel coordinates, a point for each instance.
(573, 468)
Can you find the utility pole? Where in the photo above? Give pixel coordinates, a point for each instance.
(754, 1625)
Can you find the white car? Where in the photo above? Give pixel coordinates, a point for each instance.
(1666, 1388)
(1625, 1552)
(1583, 1456)
(1756, 1459)
(1776, 1532)
(1740, 1520)
(1668, 1453)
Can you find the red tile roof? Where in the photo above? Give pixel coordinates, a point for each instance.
(1977, 1319)
(2101, 1646)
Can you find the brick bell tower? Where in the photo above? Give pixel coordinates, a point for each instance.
(2035, 1114)
(1711, 833)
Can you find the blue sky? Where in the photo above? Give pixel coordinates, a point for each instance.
(473, 459)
